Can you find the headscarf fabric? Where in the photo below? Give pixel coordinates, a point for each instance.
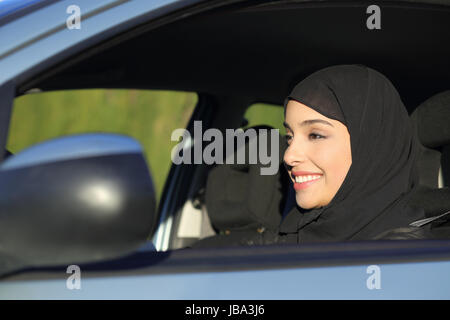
(383, 175)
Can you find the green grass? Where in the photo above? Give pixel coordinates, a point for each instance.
(267, 114)
(148, 116)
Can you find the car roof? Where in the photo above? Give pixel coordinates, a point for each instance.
(12, 9)
(11, 6)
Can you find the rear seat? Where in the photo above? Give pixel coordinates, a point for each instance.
(242, 203)
(432, 123)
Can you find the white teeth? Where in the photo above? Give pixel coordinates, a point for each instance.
(301, 179)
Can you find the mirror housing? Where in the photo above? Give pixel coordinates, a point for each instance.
(75, 199)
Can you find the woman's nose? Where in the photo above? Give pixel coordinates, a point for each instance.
(293, 155)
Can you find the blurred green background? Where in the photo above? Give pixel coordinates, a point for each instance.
(148, 116)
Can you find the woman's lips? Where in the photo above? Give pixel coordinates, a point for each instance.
(304, 185)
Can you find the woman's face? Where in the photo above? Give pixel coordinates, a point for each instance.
(318, 156)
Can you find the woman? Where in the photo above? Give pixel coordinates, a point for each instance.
(351, 156)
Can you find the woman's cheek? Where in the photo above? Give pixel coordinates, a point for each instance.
(331, 161)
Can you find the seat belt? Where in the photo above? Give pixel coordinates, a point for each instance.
(421, 223)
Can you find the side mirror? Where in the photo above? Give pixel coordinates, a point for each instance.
(74, 199)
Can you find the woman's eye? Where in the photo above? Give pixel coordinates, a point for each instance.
(288, 138)
(315, 136)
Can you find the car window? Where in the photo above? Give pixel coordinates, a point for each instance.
(265, 114)
(148, 116)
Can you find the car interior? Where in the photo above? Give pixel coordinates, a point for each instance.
(430, 119)
(238, 55)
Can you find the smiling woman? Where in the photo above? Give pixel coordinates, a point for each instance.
(352, 157)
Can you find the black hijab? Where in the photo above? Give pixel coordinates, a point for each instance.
(383, 175)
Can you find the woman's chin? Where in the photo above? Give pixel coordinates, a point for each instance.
(307, 205)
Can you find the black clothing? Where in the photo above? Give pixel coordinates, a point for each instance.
(383, 175)
(377, 198)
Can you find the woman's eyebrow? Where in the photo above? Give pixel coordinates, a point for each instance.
(308, 123)
(312, 121)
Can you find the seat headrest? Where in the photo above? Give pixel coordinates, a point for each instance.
(432, 119)
(238, 197)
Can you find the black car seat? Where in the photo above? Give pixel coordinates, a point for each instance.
(243, 204)
(432, 123)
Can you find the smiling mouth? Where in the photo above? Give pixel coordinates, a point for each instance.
(302, 182)
(306, 178)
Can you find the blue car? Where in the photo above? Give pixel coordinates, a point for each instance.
(78, 214)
